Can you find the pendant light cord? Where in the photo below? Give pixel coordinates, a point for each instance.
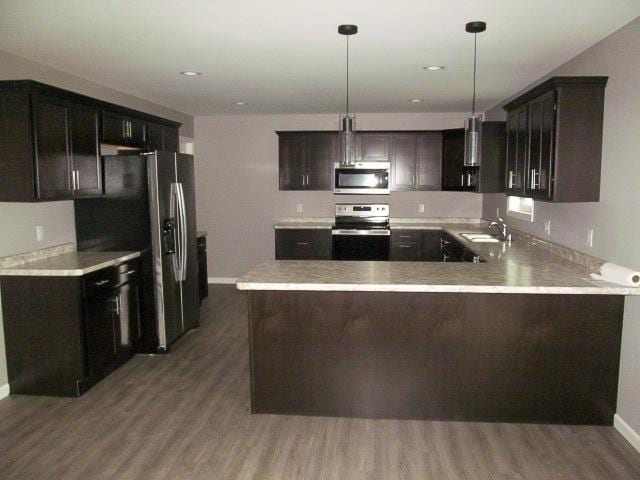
(347, 74)
(475, 48)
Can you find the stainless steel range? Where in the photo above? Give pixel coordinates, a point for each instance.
(361, 232)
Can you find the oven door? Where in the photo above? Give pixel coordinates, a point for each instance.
(349, 244)
(363, 178)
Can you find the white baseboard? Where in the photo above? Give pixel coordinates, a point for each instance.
(626, 431)
(222, 280)
(4, 391)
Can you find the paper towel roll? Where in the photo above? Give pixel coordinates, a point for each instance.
(610, 272)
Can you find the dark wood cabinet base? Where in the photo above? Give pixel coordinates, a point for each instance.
(447, 356)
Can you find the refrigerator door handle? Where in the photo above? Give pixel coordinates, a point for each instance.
(174, 208)
(183, 233)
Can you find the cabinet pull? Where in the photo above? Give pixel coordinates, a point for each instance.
(304, 179)
(124, 129)
(404, 236)
(533, 179)
(77, 179)
(302, 243)
(307, 179)
(73, 179)
(413, 179)
(129, 272)
(405, 246)
(116, 301)
(462, 180)
(511, 176)
(101, 282)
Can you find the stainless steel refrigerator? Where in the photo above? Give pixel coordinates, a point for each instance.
(149, 205)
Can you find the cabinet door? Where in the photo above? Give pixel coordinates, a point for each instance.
(85, 157)
(405, 246)
(171, 139)
(517, 148)
(100, 325)
(114, 129)
(293, 161)
(430, 245)
(154, 136)
(52, 149)
(303, 244)
(429, 161)
(373, 147)
(136, 134)
(541, 146)
(403, 161)
(321, 153)
(453, 159)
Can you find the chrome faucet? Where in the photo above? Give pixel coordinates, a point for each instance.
(502, 229)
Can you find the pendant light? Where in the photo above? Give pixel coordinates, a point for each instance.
(347, 120)
(473, 124)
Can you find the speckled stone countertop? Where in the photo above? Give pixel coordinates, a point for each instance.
(323, 223)
(73, 264)
(522, 267)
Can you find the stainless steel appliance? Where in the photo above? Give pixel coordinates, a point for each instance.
(361, 232)
(149, 205)
(362, 178)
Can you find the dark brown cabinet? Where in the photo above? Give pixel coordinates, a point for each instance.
(429, 161)
(64, 334)
(554, 147)
(416, 245)
(122, 130)
(306, 160)
(303, 244)
(373, 147)
(50, 142)
(404, 149)
(488, 177)
(161, 137)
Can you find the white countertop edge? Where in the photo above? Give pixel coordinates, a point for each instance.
(303, 226)
(76, 272)
(349, 287)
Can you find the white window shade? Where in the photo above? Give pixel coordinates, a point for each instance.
(520, 207)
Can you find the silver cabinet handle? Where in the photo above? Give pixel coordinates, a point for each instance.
(404, 236)
(307, 179)
(124, 129)
(302, 243)
(73, 179)
(413, 179)
(129, 272)
(511, 175)
(405, 246)
(77, 179)
(533, 179)
(469, 178)
(101, 282)
(462, 180)
(304, 177)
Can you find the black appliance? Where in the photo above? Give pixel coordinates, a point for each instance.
(361, 232)
(149, 205)
(368, 178)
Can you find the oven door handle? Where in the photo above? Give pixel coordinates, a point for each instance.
(352, 232)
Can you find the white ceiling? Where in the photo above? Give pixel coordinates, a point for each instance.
(285, 56)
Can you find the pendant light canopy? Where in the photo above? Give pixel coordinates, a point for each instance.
(348, 119)
(473, 124)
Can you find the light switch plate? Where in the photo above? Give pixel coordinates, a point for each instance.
(547, 227)
(421, 208)
(39, 233)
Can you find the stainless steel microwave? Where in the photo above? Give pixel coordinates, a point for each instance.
(368, 178)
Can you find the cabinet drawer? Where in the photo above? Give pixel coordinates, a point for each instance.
(405, 245)
(303, 244)
(99, 282)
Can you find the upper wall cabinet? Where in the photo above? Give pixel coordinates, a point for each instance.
(486, 178)
(554, 140)
(161, 137)
(50, 141)
(416, 160)
(306, 160)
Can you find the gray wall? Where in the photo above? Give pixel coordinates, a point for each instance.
(237, 183)
(616, 218)
(19, 220)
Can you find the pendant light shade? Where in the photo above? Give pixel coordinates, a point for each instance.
(473, 124)
(347, 119)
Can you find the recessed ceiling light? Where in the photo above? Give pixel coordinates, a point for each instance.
(433, 68)
(190, 73)
(416, 100)
(240, 103)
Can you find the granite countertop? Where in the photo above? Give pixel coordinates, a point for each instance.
(72, 264)
(396, 223)
(524, 266)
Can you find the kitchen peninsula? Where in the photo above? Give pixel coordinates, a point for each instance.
(525, 336)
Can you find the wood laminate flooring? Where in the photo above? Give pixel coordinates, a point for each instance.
(185, 416)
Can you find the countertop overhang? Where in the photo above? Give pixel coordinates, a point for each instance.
(74, 264)
(520, 267)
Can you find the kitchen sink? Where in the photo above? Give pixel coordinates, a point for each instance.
(480, 237)
(484, 240)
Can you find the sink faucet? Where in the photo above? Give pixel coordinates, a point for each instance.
(501, 227)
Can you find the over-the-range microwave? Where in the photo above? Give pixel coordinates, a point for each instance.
(368, 178)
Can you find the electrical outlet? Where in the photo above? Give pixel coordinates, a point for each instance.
(421, 208)
(39, 233)
(590, 238)
(299, 208)
(547, 227)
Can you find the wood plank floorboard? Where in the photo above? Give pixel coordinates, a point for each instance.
(185, 416)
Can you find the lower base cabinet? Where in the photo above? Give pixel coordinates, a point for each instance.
(64, 334)
(416, 246)
(303, 244)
